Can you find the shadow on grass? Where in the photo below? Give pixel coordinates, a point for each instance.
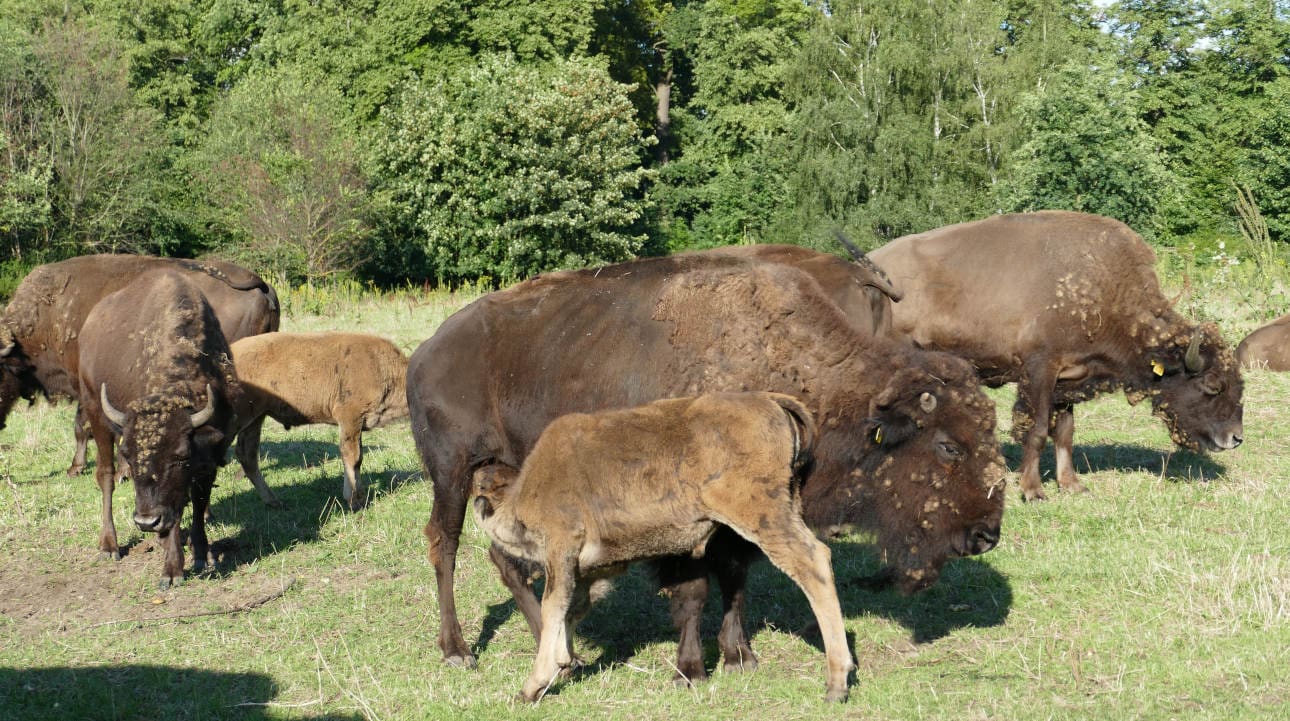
(1175, 464)
(306, 504)
(969, 594)
(138, 692)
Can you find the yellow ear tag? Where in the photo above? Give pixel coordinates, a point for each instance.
(1157, 367)
(877, 435)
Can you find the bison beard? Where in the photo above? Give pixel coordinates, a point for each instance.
(482, 389)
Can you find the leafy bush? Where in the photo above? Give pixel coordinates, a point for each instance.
(509, 170)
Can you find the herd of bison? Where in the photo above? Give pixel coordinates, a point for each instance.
(694, 412)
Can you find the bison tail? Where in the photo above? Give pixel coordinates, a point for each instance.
(881, 280)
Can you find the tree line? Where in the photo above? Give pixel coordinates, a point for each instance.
(450, 141)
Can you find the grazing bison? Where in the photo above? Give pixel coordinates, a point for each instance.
(687, 464)
(859, 288)
(1267, 347)
(906, 445)
(39, 340)
(349, 380)
(155, 369)
(1067, 306)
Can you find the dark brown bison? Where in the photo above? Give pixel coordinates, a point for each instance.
(906, 443)
(858, 287)
(1067, 306)
(40, 332)
(689, 466)
(1267, 347)
(155, 369)
(350, 380)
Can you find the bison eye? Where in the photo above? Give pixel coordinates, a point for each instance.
(949, 451)
(1212, 386)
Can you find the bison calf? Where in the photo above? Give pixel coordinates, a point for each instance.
(349, 380)
(602, 490)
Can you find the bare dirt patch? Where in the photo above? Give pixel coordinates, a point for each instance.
(70, 590)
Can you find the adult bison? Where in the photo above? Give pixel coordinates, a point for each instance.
(40, 332)
(1267, 347)
(155, 368)
(1067, 306)
(858, 287)
(906, 443)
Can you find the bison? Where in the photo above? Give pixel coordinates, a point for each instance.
(1067, 306)
(40, 332)
(350, 380)
(859, 288)
(1267, 347)
(688, 464)
(156, 370)
(906, 445)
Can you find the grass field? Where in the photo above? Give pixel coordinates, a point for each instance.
(1161, 594)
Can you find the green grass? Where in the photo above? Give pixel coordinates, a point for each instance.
(1161, 594)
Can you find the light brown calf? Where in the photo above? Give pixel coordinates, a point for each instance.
(349, 380)
(602, 490)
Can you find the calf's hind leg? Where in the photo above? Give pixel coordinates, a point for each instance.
(553, 650)
(351, 456)
(789, 544)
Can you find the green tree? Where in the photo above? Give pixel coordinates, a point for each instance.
(506, 170)
(104, 146)
(903, 117)
(279, 160)
(1087, 150)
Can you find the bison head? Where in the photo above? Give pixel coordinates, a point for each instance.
(1196, 389)
(167, 444)
(928, 472)
(17, 377)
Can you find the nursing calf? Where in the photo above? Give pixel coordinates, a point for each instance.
(602, 490)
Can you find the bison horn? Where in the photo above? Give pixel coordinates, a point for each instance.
(201, 417)
(1192, 361)
(927, 401)
(117, 417)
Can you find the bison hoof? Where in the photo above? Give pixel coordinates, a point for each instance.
(110, 555)
(690, 676)
(461, 660)
(1035, 495)
(746, 662)
(836, 695)
(171, 582)
(75, 470)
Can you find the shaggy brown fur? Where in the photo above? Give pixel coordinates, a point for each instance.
(42, 324)
(1066, 305)
(1267, 347)
(349, 380)
(155, 352)
(688, 464)
(858, 288)
(899, 427)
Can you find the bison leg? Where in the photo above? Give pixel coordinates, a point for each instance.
(172, 569)
(81, 430)
(105, 476)
(351, 456)
(685, 580)
(780, 532)
(553, 648)
(1034, 405)
(1063, 433)
(247, 451)
(732, 576)
(201, 497)
(443, 533)
(521, 587)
